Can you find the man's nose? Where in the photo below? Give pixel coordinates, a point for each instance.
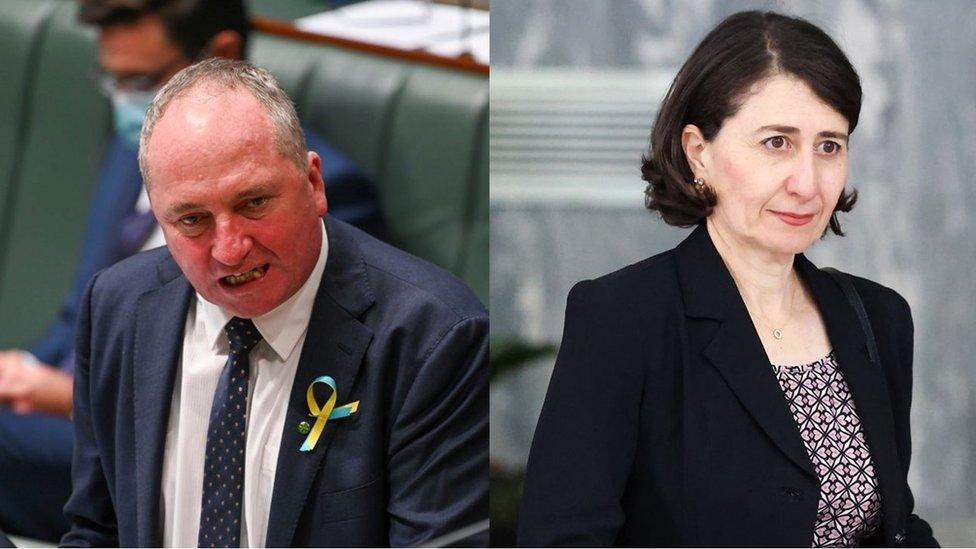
(231, 243)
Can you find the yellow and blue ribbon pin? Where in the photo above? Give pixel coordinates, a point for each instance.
(325, 413)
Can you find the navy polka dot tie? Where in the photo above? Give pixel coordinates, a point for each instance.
(223, 468)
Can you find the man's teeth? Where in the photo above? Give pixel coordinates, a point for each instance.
(234, 280)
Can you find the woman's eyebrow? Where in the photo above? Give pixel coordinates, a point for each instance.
(835, 135)
(792, 130)
(779, 129)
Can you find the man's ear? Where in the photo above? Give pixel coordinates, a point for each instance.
(694, 144)
(314, 175)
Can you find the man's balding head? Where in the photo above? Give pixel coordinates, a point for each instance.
(208, 81)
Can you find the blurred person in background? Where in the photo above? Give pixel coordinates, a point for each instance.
(728, 392)
(141, 45)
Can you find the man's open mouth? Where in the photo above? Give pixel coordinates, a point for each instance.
(241, 278)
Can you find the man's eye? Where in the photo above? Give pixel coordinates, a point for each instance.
(189, 220)
(777, 142)
(257, 202)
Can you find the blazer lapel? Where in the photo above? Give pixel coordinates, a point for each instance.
(738, 355)
(335, 345)
(868, 386)
(736, 350)
(160, 320)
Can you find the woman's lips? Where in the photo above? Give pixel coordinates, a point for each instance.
(793, 219)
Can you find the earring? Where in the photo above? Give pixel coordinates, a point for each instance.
(700, 185)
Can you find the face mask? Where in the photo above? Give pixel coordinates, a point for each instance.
(129, 111)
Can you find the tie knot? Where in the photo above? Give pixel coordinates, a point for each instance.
(242, 334)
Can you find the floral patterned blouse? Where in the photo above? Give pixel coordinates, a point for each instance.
(850, 505)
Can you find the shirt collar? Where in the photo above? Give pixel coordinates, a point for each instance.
(281, 327)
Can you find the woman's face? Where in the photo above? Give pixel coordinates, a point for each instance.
(777, 167)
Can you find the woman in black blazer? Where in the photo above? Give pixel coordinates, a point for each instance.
(725, 392)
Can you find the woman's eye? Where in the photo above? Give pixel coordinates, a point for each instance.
(830, 147)
(777, 142)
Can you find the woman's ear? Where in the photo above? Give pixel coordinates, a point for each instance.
(694, 143)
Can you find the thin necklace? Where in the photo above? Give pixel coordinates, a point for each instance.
(777, 332)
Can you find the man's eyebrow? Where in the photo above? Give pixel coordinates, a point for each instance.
(791, 130)
(182, 207)
(255, 190)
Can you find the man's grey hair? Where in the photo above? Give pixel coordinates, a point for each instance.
(231, 75)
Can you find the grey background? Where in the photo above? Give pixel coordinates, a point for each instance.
(913, 159)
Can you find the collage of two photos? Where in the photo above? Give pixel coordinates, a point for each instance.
(322, 273)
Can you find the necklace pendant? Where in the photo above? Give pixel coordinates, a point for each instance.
(777, 334)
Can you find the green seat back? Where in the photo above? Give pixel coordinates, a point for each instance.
(21, 29)
(432, 163)
(289, 61)
(350, 100)
(62, 148)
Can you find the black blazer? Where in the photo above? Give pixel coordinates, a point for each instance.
(664, 424)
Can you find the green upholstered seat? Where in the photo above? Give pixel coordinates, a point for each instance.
(62, 143)
(21, 30)
(350, 100)
(437, 126)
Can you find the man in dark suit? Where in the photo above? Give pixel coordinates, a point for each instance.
(270, 379)
(141, 45)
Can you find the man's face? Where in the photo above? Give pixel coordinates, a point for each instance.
(241, 220)
(139, 52)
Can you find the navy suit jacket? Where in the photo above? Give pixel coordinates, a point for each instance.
(406, 339)
(664, 424)
(351, 195)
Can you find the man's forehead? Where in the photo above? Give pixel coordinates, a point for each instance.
(216, 104)
(206, 120)
(210, 137)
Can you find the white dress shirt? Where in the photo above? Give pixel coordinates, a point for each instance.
(273, 363)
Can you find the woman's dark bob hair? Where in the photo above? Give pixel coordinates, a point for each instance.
(742, 50)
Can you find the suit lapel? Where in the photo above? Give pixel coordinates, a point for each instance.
(160, 320)
(738, 355)
(868, 386)
(736, 350)
(335, 345)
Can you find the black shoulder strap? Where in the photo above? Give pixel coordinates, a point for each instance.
(847, 286)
